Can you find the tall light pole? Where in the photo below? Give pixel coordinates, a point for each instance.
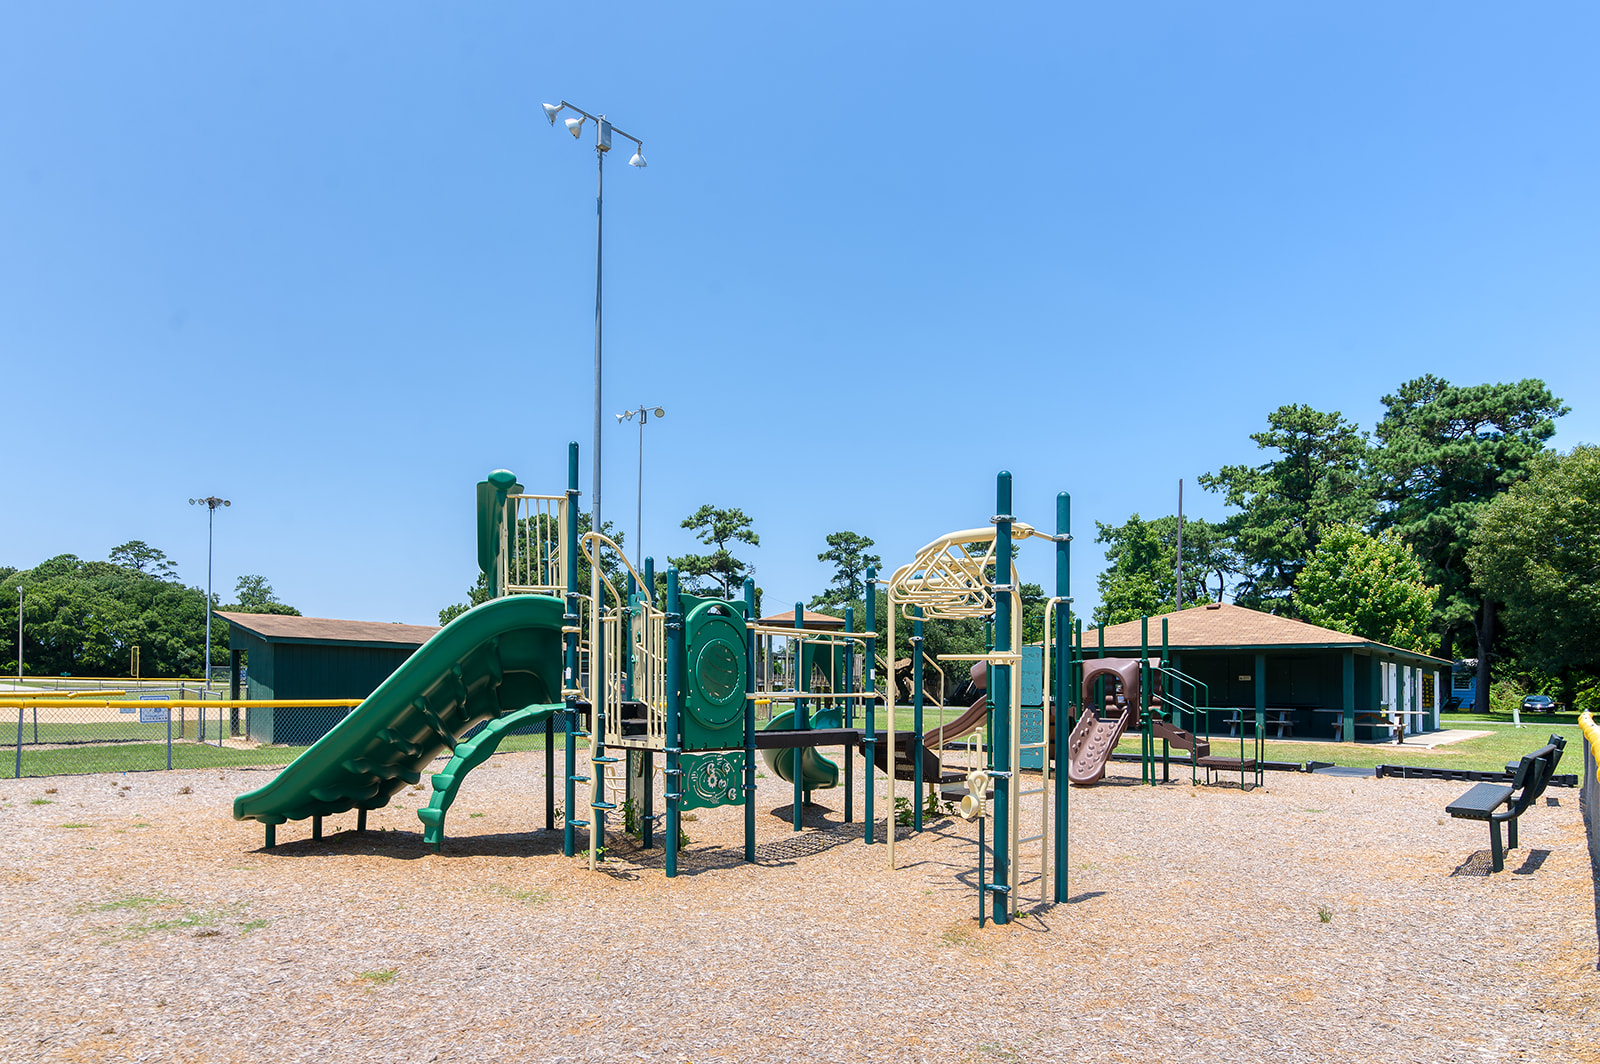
(602, 144)
(210, 502)
(19, 633)
(644, 413)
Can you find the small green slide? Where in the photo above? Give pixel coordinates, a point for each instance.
(493, 660)
(468, 756)
(816, 772)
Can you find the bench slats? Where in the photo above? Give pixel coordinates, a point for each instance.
(1480, 802)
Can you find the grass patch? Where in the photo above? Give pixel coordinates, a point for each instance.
(76, 824)
(202, 921)
(1488, 753)
(198, 920)
(143, 757)
(253, 925)
(40, 801)
(527, 897)
(135, 902)
(378, 977)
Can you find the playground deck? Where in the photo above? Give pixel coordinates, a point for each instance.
(1195, 932)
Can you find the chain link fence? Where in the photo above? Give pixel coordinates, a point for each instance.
(51, 730)
(93, 726)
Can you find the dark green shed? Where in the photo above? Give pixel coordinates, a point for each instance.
(312, 657)
(1308, 682)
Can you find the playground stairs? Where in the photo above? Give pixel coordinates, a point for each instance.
(635, 719)
(905, 768)
(1179, 739)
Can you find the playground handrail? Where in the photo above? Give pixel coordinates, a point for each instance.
(536, 522)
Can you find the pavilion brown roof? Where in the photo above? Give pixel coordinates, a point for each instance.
(809, 618)
(279, 628)
(1222, 624)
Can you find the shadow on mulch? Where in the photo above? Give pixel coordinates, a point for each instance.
(824, 836)
(1481, 863)
(409, 846)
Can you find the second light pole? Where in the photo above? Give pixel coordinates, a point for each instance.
(210, 502)
(643, 413)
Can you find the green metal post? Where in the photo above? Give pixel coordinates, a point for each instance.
(1348, 731)
(749, 721)
(1145, 677)
(1261, 714)
(1000, 700)
(674, 769)
(630, 797)
(869, 670)
(647, 801)
(849, 715)
(570, 675)
(1166, 663)
(1077, 668)
(1066, 694)
(802, 719)
(916, 718)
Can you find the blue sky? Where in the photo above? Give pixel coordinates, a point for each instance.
(329, 261)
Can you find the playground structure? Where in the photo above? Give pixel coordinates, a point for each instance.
(640, 671)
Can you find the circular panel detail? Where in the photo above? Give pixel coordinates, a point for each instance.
(716, 673)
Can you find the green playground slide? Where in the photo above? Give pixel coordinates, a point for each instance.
(468, 755)
(491, 661)
(816, 771)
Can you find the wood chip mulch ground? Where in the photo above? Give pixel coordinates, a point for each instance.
(1313, 919)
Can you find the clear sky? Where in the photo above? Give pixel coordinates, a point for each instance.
(330, 262)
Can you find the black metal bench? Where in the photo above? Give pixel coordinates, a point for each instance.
(1484, 801)
(1557, 741)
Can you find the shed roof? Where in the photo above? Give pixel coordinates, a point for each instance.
(279, 628)
(1222, 625)
(808, 618)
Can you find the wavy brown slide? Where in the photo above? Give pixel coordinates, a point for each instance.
(1091, 743)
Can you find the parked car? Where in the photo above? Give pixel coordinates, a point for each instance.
(1538, 704)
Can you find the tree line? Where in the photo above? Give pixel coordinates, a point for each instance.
(84, 618)
(1451, 528)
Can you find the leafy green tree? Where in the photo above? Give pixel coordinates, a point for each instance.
(139, 556)
(1317, 481)
(719, 570)
(1445, 452)
(1141, 579)
(254, 595)
(847, 553)
(1536, 548)
(83, 618)
(1367, 585)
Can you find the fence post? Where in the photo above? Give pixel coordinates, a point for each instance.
(21, 714)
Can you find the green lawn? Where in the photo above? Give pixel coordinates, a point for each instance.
(1488, 753)
(138, 757)
(150, 753)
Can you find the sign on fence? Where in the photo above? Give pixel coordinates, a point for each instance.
(153, 714)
